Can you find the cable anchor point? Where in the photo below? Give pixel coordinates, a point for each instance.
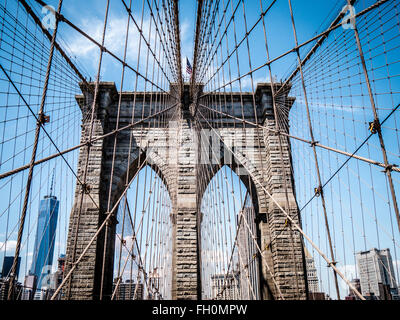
(374, 126)
(43, 119)
(318, 191)
(389, 168)
(85, 188)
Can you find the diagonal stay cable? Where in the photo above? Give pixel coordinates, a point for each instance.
(317, 144)
(140, 30)
(236, 47)
(317, 45)
(42, 127)
(49, 36)
(350, 157)
(61, 153)
(256, 180)
(99, 229)
(361, 13)
(62, 18)
(230, 188)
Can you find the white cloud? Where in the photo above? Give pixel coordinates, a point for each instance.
(87, 52)
(349, 272)
(10, 245)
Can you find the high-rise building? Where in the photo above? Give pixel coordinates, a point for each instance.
(377, 278)
(57, 277)
(29, 287)
(41, 294)
(154, 280)
(127, 290)
(226, 287)
(5, 279)
(51, 282)
(352, 295)
(4, 288)
(45, 238)
(312, 276)
(7, 264)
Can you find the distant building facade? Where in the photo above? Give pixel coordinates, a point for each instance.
(154, 280)
(41, 294)
(312, 279)
(4, 287)
(128, 290)
(49, 285)
(312, 276)
(29, 287)
(317, 296)
(5, 279)
(57, 277)
(377, 277)
(352, 295)
(226, 287)
(7, 264)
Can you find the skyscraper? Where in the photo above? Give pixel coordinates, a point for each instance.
(29, 287)
(45, 238)
(312, 276)
(377, 276)
(225, 287)
(352, 295)
(127, 290)
(4, 287)
(154, 284)
(57, 277)
(7, 264)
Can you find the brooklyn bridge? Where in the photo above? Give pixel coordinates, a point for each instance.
(201, 150)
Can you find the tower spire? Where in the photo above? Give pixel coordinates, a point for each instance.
(52, 183)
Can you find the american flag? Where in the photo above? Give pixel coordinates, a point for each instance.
(188, 67)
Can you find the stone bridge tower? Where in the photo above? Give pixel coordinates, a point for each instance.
(173, 150)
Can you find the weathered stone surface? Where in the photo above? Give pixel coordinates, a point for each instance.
(172, 149)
